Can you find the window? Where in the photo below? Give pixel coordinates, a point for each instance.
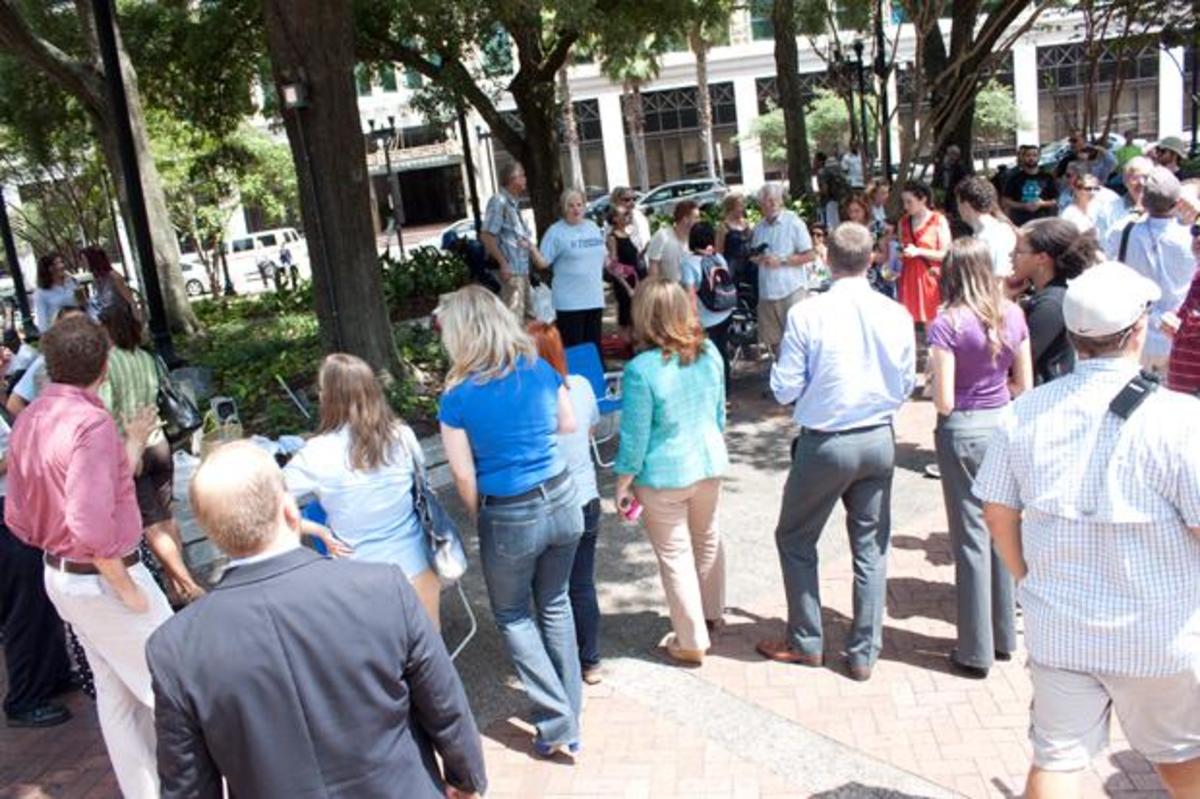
(1064, 75)
(243, 245)
(267, 240)
(362, 79)
(673, 149)
(761, 26)
(387, 77)
(412, 79)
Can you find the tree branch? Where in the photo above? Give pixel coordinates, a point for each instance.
(74, 77)
(557, 56)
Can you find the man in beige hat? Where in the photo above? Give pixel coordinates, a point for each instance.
(1091, 491)
(1170, 152)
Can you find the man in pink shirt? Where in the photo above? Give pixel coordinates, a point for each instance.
(71, 495)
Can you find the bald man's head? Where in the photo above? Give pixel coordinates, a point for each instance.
(239, 499)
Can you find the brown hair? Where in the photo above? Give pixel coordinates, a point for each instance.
(684, 209)
(1071, 250)
(44, 278)
(76, 349)
(549, 345)
(968, 282)
(977, 193)
(861, 201)
(352, 397)
(122, 324)
(97, 261)
(850, 245)
(663, 318)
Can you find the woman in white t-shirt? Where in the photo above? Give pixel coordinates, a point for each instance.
(577, 452)
(55, 290)
(1080, 211)
(360, 466)
(670, 242)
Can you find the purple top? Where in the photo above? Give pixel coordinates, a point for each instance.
(979, 382)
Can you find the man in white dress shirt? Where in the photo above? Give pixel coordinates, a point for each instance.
(977, 206)
(848, 362)
(1093, 503)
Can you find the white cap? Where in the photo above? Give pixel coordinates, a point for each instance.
(1106, 299)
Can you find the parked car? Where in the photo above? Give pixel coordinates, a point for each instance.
(597, 209)
(261, 261)
(463, 228)
(702, 191)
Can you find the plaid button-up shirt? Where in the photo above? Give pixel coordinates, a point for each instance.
(1114, 572)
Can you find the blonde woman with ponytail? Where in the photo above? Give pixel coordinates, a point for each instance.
(979, 345)
(359, 466)
(501, 414)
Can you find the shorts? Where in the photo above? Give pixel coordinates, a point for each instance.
(772, 317)
(155, 484)
(1071, 710)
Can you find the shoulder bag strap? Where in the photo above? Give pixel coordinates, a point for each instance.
(1125, 235)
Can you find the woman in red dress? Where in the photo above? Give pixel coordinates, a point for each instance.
(924, 242)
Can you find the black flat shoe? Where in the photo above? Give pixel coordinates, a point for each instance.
(1003, 657)
(46, 714)
(963, 670)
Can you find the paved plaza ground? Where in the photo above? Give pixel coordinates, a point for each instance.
(739, 726)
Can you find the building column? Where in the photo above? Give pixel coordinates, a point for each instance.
(612, 132)
(1025, 92)
(745, 98)
(1170, 92)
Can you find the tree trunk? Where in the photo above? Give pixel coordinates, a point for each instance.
(635, 120)
(312, 42)
(791, 97)
(703, 100)
(571, 128)
(540, 152)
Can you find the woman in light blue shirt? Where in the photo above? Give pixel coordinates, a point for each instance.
(672, 457)
(573, 248)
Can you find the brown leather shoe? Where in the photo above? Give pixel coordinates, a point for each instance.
(781, 652)
(859, 673)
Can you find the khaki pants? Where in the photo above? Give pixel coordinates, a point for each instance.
(514, 293)
(114, 639)
(682, 526)
(772, 318)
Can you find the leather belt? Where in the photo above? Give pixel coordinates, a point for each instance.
(81, 566)
(533, 493)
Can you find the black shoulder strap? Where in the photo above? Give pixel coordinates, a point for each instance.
(1125, 234)
(1133, 394)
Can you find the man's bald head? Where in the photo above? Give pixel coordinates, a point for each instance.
(239, 499)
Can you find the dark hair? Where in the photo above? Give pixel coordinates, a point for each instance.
(1024, 147)
(75, 349)
(44, 279)
(701, 237)
(123, 325)
(1071, 250)
(977, 193)
(97, 261)
(12, 339)
(684, 209)
(918, 189)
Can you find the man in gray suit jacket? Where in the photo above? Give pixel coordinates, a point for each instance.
(300, 676)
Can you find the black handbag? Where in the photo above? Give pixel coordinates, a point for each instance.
(179, 414)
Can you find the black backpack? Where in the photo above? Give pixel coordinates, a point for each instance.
(717, 290)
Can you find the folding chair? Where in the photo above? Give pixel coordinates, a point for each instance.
(584, 360)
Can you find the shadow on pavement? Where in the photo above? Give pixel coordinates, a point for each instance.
(936, 546)
(911, 596)
(856, 790)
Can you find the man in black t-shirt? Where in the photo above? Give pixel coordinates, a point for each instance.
(1030, 192)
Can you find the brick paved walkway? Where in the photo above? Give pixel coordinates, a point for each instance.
(643, 739)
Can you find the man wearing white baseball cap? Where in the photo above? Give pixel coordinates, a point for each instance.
(1091, 491)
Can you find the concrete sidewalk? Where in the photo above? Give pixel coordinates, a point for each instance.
(739, 726)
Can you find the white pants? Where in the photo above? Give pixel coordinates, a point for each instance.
(114, 639)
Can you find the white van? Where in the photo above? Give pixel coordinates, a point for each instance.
(256, 262)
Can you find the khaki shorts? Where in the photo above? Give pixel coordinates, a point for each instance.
(1071, 710)
(772, 318)
(515, 294)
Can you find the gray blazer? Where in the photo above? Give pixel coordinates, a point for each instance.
(304, 677)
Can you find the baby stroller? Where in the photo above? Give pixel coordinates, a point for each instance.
(743, 323)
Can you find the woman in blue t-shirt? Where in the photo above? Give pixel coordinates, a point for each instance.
(573, 249)
(501, 413)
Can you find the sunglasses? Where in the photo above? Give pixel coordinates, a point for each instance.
(1090, 189)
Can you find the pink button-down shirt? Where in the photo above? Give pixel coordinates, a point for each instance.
(70, 487)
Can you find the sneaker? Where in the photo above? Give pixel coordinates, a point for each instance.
(933, 471)
(593, 675)
(46, 714)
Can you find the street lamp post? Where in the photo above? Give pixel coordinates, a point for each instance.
(386, 137)
(485, 136)
(14, 267)
(865, 152)
(842, 68)
(469, 163)
(883, 73)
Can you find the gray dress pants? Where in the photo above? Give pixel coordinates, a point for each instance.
(984, 587)
(855, 467)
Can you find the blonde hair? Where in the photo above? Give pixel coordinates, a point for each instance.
(565, 198)
(663, 318)
(968, 282)
(732, 201)
(482, 337)
(352, 397)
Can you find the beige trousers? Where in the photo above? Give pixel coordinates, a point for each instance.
(514, 293)
(682, 526)
(114, 639)
(772, 318)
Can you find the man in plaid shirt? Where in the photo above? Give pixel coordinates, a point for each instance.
(1098, 518)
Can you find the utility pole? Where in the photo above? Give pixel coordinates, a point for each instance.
(14, 268)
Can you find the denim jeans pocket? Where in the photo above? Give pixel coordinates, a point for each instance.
(510, 537)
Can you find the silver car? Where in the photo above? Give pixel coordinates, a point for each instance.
(664, 198)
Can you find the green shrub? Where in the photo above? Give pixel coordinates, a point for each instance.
(425, 274)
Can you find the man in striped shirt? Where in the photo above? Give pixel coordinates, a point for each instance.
(1098, 518)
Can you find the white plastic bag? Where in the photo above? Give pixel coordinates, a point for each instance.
(542, 300)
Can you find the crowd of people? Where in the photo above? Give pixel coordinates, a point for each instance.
(1041, 324)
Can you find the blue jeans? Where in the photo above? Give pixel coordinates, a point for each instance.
(583, 589)
(528, 549)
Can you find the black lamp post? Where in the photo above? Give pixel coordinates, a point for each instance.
(864, 151)
(883, 72)
(14, 268)
(485, 136)
(842, 69)
(387, 137)
(469, 164)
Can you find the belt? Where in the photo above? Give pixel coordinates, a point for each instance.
(808, 431)
(533, 493)
(83, 567)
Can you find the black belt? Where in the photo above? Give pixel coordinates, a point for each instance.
(533, 493)
(808, 431)
(81, 566)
